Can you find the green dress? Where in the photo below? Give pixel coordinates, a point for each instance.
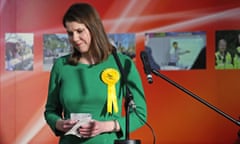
(80, 89)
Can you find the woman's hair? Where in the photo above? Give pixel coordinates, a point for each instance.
(100, 46)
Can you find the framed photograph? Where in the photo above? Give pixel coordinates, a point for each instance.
(19, 51)
(176, 50)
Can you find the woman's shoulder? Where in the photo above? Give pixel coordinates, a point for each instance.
(60, 61)
(123, 56)
(126, 60)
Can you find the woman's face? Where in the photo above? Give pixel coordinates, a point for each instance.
(79, 36)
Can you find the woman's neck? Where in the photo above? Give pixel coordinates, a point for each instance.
(87, 59)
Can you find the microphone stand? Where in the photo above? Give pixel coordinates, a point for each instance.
(129, 103)
(237, 122)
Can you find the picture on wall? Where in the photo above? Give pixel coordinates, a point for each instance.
(19, 51)
(54, 46)
(176, 50)
(227, 51)
(125, 43)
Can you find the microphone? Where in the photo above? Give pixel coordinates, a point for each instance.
(146, 66)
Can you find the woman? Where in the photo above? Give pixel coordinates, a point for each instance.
(79, 83)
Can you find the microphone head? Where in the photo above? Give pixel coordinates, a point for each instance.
(145, 61)
(146, 66)
(143, 55)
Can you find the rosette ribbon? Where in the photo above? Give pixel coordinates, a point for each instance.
(110, 77)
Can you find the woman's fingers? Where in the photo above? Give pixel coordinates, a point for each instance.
(89, 130)
(69, 123)
(65, 125)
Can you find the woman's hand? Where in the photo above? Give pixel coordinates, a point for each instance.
(95, 127)
(65, 125)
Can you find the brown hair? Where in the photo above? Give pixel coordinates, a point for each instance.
(100, 46)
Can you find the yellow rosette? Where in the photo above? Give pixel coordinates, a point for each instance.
(110, 77)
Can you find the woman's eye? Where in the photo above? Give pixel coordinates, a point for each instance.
(80, 30)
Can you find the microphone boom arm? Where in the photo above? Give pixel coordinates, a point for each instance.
(237, 122)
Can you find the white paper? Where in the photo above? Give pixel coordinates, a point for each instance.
(83, 118)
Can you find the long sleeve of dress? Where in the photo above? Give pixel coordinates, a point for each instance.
(53, 109)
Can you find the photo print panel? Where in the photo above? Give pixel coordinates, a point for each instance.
(54, 46)
(227, 50)
(125, 43)
(176, 50)
(19, 51)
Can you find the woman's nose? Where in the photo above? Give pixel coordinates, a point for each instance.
(75, 37)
